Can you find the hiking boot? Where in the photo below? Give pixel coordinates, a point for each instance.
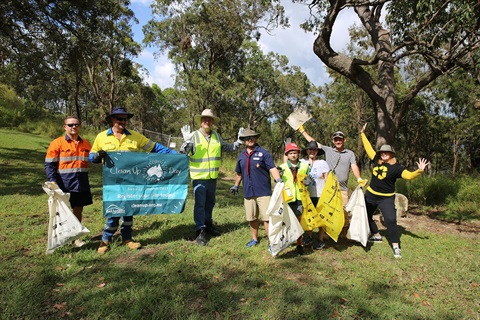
(104, 247)
(397, 253)
(319, 245)
(132, 244)
(375, 239)
(78, 243)
(201, 237)
(307, 240)
(299, 250)
(252, 243)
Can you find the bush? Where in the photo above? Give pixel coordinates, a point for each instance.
(432, 190)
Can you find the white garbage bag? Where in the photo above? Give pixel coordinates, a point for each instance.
(63, 226)
(359, 229)
(284, 227)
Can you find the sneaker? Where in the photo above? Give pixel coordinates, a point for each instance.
(319, 245)
(375, 239)
(300, 251)
(307, 240)
(269, 249)
(104, 247)
(132, 244)
(397, 253)
(201, 239)
(252, 243)
(78, 243)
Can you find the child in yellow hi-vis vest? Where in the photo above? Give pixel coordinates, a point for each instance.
(291, 194)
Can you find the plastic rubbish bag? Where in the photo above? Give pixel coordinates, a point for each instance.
(284, 227)
(63, 226)
(359, 228)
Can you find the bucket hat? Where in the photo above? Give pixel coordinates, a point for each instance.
(386, 148)
(119, 111)
(206, 113)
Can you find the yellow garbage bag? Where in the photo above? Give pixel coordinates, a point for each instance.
(311, 217)
(330, 207)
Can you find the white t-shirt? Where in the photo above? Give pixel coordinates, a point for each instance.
(317, 169)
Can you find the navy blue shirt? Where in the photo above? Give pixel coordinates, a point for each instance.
(256, 178)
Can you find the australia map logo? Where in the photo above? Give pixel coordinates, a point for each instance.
(155, 171)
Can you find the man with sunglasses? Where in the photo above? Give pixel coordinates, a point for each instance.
(204, 147)
(253, 169)
(118, 138)
(66, 163)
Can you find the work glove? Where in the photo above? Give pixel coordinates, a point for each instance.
(187, 135)
(362, 182)
(98, 156)
(240, 133)
(234, 190)
(308, 180)
(186, 148)
(301, 129)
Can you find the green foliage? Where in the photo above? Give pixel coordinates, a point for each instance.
(464, 206)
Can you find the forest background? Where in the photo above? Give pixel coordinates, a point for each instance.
(410, 69)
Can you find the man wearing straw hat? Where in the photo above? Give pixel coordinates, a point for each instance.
(254, 166)
(205, 146)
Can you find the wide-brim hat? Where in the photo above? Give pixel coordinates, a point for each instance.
(206, 113)
(119, 111)
(248, 133)
(386, 148)
(313, 145)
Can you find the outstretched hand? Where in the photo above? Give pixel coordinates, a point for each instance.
(422, 163)
(187, 135)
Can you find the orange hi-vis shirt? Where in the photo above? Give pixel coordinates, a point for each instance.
(66, 163)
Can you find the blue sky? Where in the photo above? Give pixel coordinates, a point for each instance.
(293, 43)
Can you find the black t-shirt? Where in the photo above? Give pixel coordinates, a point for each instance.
(384, 176)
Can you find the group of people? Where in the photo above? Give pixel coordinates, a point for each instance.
(66, 163)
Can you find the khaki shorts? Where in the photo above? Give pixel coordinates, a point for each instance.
(256, 208)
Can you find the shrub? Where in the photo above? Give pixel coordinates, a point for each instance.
(432, 190)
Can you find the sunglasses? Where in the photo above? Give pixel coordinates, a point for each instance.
(72, 124)
(121, 119)
(248, 138)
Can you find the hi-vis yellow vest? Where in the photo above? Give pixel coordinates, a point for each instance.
(205, 162)
(287, 178)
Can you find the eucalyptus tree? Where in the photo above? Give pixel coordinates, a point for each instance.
(91, 40)
(442, 35)
(204, 40)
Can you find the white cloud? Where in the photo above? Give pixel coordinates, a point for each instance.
(294, 43)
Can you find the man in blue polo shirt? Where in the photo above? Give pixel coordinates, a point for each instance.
(254, 166)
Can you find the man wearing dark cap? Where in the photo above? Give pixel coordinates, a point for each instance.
(340, 160)
(118, 138)
(254, 166)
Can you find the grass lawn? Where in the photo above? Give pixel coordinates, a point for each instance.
(173, 278)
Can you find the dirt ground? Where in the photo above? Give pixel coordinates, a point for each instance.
(419, 220)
